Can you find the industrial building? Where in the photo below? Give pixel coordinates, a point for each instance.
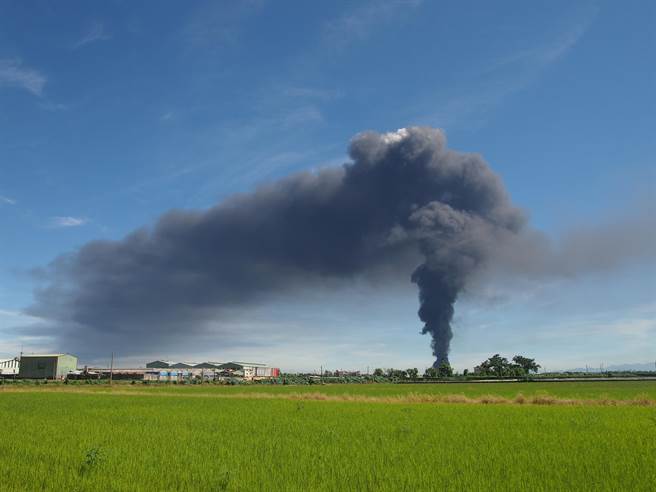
(170, 371)
(251, 370)
(9, 367)
(47, 366)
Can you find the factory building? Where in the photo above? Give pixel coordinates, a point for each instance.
(47, 366)
(171, 371)
(9, 367)
(250, 370)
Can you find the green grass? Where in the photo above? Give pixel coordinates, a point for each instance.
(51, 440)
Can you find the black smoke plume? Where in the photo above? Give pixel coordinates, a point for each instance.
(404, 195)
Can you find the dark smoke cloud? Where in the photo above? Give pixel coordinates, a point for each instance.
(587, 249)
(405, 195)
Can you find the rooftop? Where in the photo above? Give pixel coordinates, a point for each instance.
(24, 356)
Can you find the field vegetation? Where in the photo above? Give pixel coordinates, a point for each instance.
(569, 390)
(179, 437)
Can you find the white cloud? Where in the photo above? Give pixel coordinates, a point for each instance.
(95, 32)
(17, 333)
(7, 201)
(68, 221)
(8, 312)
(14, 74)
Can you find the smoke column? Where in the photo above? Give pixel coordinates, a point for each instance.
(404, 196)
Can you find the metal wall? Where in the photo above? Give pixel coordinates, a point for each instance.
(38, 368)
(66, 364)
(47, 367)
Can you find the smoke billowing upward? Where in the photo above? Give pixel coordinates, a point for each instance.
(404, 195)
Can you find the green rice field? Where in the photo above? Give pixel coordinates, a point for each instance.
(360, 437)
(622, 390)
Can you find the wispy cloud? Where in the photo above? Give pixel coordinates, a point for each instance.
(507, 75)
(14, 74)
(217, 24)
(94, 33)
(312, 93)
(302, 116)
(5, 200)
(53, 106)
(550, 52)
(68, 221)
(359, 23)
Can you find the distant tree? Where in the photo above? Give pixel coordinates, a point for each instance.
(396, 373)
(431, 372)
(465, 372)
(378, 372)
(412, 373)
(445, 370)
(482, 369)
(527, 365)
(494, 366)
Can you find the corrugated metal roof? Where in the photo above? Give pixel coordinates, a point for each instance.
(24, 356)
(182, 365)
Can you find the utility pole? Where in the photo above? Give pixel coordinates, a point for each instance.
(111, 370)
(20, 357)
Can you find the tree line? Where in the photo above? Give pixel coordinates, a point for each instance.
(494, 366)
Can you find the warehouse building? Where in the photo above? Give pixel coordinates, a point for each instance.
(47, 366)
(250, 370)
(170, 371)
(9, 367)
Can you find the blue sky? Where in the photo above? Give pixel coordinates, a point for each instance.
(112, 113)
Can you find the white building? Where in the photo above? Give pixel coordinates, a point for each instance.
(9, 367)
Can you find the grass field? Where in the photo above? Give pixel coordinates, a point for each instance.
(192, 438)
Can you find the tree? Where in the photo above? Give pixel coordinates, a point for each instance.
(445, 370)
(494, 366)
(483, 369)
(431, 372)
(413, 373)
(527, 365)
(378, 372)
(499, 365)
(396, 373)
